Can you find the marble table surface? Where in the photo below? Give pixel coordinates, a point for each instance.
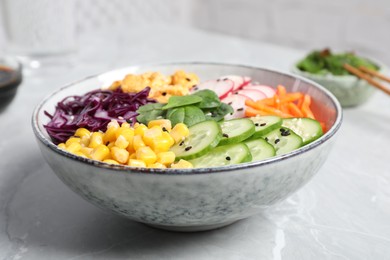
(342, 213)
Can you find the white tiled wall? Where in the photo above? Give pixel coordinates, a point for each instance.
(360, 25)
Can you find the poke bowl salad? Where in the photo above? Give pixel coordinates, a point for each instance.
(187, 146)
(179, 120)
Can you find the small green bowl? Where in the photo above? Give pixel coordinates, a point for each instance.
(349, 90)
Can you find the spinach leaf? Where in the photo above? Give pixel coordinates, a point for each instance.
(176, 115)
(179, 101)
(219, 113)
(193, 115)
(210, 99)
(150, 112)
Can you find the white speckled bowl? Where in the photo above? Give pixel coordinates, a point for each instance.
(348, 89)
(191, 199)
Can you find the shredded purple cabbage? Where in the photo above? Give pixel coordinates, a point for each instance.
(94, 111)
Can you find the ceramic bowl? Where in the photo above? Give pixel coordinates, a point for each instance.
(191, 199)
(348, 89)
(10, 79)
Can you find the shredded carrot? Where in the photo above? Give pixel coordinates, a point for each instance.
(283, 104)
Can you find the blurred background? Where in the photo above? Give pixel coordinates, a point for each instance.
(359, 25)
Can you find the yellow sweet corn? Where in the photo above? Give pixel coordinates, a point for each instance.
(100, 152)
(120, 155)
(73, 147)
(96, 139)
(82, 132)
(110, 161)
(179, 132)
(151, 134)
(62, 146)
(166, 158)
(136, 163)
(138, 142)
(127, 133)
(140, 129)
(182, 164)
(86, 151)
(121, 142)
(157, 165)
(72, 140)
(146, 154)
(163, 123)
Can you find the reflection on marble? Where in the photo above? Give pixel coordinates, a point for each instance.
(343, 213)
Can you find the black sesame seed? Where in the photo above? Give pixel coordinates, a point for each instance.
(231, 114)
(277, 141)
(218, 80)
(188, 79)
(164, 93)
(235, 92)
(164, 129)
(230, 103)
(181, 143)
(240, 109)
(225, 79)
(188, 148)
(256, 124)
(228, 158)
(263, 124)
(266, 139)
(225, 135)
(285, 133)
(195, 87)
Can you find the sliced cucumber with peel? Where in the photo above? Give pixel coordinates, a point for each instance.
(260, 149)
(203, 137)
(236, 130)
(223, 156)
(284, 140)
(308, 129)
(265, 124)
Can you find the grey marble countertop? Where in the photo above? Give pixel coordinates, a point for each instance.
(342, 213)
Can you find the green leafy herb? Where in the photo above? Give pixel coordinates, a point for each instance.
(209, 98)
(176, 115)
(193, 115)
(179, 101)
(323, 62)
(220, 112)
(150, 112)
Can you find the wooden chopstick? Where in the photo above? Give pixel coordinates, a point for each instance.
(366, 76)
(374, 73)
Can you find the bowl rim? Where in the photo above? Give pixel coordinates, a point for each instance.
(123, 169)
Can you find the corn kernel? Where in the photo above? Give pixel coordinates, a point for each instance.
(136, 163)
(161, 144)
(100, 152)
(119, 154)
(157, 165)
(110, 161)
(85, 140)
(72, 140)
(127, 133)
(82, 132)
(182, 164)
(151, 134)
(78, 153)
(169, 138)
(110, 135)
(163, 123)
(138, 142)
(113, 124)
(86, 151)
(125, 125)
(62, 146)
(132, 156)
(166, 158)
(146, 154)
(179, 132)
(121, 142)
(73, 147)
(140, 129)
(96, 139)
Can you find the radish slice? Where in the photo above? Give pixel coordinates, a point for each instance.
(267, 90)
(247, 80)
(237, 101)
(239, 81)
(252, 93)
(221, 87)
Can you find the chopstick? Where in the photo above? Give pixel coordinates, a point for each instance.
(366, 74)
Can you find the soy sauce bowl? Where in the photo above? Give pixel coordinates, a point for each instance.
(10, 79)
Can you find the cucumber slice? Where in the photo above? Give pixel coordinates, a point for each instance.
(224, 155)
(308, 129)
(236, 130)
(260, 149)
(203, 137)
(284, 140)
(265, 124)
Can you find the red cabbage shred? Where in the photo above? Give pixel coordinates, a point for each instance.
(94, 111)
